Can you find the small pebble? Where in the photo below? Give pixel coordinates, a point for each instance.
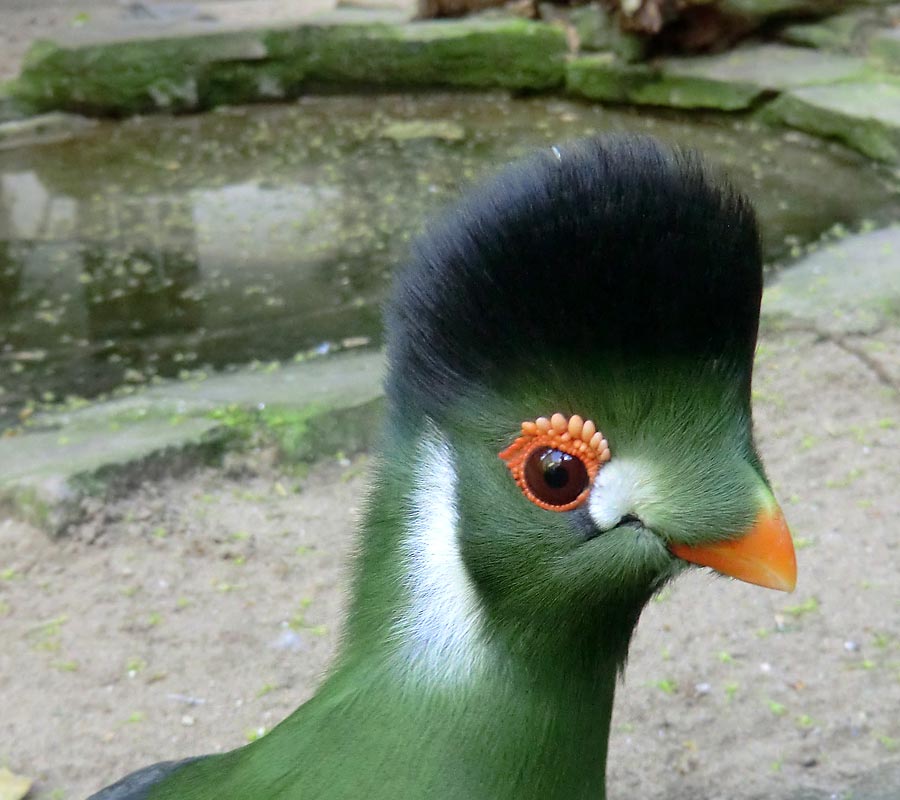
(288, 640)
(186, 698)
(187, 720)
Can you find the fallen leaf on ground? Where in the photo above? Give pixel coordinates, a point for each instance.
(12, 786)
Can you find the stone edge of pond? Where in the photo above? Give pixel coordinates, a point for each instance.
(598, 77)
(52, 126)
(864, 115)
(64, 461)
(730, 81)
(202, 69)
(848, 286)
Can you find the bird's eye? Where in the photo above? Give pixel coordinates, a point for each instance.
(555, 460)
(555, 477)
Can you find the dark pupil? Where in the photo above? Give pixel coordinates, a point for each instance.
(555, 477)
(556, 473)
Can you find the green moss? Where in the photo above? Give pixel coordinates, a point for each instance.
(27, 504)
(602, 78)
(513, 54)
(846, 33)
(128, 77)
(862, 115)
(599, 31)
(196, 72)
(885, 50)
(769, 8)
(808, 606)
(117, 79)
(246, 82)
(305, 434)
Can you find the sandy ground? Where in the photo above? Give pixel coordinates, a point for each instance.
(198, 612)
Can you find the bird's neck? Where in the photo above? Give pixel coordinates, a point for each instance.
(531, 703)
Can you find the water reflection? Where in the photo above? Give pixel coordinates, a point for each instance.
(11, 267)
(157, 245)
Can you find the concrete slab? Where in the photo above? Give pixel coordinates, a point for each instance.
(863, 114)
(772, 67)
(604, 78)
(730, 81)
(42, 129)
(850, 286)
(848, 32)
(884, 48)
(308, 410)
(792, 8)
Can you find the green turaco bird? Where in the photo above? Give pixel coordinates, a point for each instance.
(570, 354)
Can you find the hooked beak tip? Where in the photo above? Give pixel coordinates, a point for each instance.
(764, 555)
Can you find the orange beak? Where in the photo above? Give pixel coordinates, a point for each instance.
(764, 555)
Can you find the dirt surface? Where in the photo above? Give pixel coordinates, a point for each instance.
(194, 614)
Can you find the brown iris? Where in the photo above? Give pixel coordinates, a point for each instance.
(555, 477)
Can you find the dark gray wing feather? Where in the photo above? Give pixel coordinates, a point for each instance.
(137, 785)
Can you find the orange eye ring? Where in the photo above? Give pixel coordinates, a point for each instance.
(574, 436)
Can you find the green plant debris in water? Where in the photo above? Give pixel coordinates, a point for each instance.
(253, 234)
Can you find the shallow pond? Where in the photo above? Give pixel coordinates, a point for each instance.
(160, 245)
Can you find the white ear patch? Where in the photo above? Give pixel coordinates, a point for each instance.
(621, 487)
(441, 628)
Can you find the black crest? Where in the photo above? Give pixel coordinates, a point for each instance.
(614, 247)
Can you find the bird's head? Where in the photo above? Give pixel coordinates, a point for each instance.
(572, 350)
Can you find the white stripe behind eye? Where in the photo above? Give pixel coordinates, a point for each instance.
(440, 629)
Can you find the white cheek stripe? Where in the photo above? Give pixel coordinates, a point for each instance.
(441, 627)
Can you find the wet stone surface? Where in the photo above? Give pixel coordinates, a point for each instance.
(168, 246)
(848, 286)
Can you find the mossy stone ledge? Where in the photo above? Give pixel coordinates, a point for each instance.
(884, 49)
(66, 458)
(603, 78)
(862, 114)
(764, 9)
(197, 72)
(728, 82)
(848, 32)
(845, 286)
